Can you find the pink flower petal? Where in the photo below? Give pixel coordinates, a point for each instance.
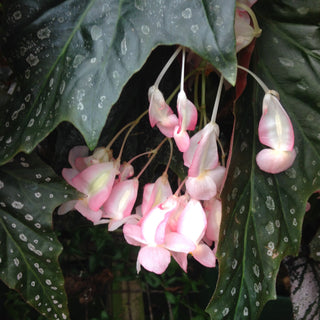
(202, 187)
(179, 243)
(96, 181)
(275, 161)
(66, 207)
(121, 199)
(68, 174)
(132, 234)
(154, 259)
(243, 31)
(213, 209)
(181, 138)
(275, 128)
(192, 221)
(204, 255)
(160, 112)
(167, 125)
(77, 152)
(181, 259)
(155, 193)
(203, 153)
(91, 215)
(187, 113)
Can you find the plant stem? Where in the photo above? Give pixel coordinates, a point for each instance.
(216, 102)
(166, 67)
(261, 83)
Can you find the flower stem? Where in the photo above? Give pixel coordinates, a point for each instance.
(132, 126)
(154, 152)
(182, 69)
(261, 83)
(216, 102)
(166, 67)
(170, 157)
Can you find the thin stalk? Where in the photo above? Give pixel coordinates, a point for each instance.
(180, 186)
(166, 67)
(203, 98)
(261, 83)
(217, 101)
(182, 69)
(133, 124)
(155, 151)
(175, 91)
(124, 128)
(170, 157)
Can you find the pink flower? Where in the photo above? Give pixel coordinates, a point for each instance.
(155, 193)
(187, 116)
(118, 207)
(95, 181)
(275, 131)
(160, 114)
(213, 210)
(243, 31)
(205, 176)
(192, 225)
(206, 184)
(203, 153)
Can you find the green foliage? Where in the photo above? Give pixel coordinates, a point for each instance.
(263, 213)
(29, 192)
(73, 58)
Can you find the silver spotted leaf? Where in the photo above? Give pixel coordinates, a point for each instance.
(72, 58)
(305, 287)
(263, 213)
(29, 249)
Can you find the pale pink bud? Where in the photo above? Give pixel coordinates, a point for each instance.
(160, 113)
(96, 182)
(155, 193)
(121, 199)
(187, 116)
(275, 161)
(275, 131)
(213, 210)
(202, 154)
(244, 32)
(275, 128)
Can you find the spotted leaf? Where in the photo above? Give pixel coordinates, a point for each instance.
(29, 192)
(72, 58)
(263, 213)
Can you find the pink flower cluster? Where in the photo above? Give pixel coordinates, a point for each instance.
(109, 194)
(168, 224)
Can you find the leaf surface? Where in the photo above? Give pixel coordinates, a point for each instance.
(29, 192)
(73, 58)
(263, 213)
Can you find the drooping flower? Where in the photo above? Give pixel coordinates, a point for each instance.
(160, 114)
(187, 116)
(205, 175)
(118, 207)
(275, 131)
(155, 193)
(213, 210)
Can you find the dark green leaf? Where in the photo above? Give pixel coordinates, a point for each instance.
(29, 192)
(74, 57)
(263, 213)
